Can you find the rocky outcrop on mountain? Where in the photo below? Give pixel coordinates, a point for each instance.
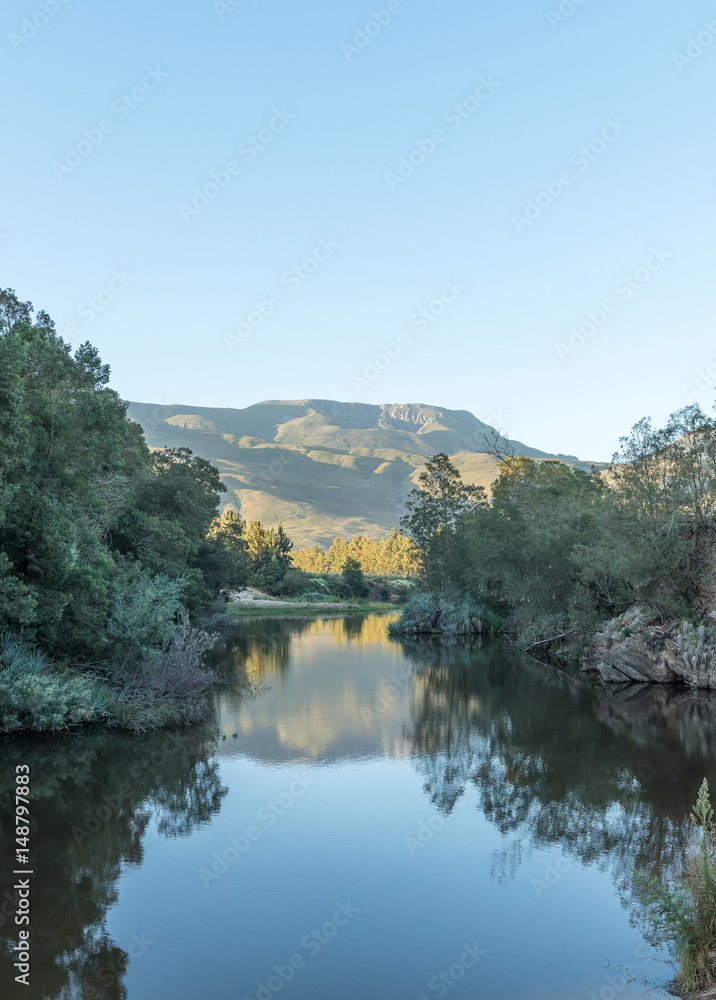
(638, 646)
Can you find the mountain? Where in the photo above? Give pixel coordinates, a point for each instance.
(322, 467)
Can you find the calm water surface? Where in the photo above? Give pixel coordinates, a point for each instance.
(369, 819)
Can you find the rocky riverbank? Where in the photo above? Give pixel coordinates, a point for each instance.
(638, 646)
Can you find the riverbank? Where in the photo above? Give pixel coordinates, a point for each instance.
(251, 601)
(640, 646)
(38, 695)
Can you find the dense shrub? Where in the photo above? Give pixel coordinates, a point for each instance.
(354, 579)
(685, 908)
(430, 613)
(293, 583)
(34, 696)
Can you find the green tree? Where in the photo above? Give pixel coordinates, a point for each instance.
(86, 510)
(354, 578)
(442, 503)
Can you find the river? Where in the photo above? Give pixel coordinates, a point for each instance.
(360, 818)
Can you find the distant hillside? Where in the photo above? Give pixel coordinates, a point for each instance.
(322, 467)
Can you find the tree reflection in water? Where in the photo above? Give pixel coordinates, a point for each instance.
(609, 776)
(91, 800)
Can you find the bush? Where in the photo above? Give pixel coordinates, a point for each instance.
(686, 911)
(331, 586)
(175, 669)
(294, 582)
(269, 574)
(435, 614)
(36, 696)
(354, 578)
(315, 597)
(404, 589)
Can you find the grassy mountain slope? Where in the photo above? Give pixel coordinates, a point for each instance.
(322, 467)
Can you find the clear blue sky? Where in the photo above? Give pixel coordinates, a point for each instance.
(340, 118)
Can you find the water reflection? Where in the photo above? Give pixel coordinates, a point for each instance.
(327, 690)
(91, 801)
(607, 776)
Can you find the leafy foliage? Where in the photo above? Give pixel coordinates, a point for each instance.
(427, 614)
(559, 549)
(395, 554)
(269, 551)
(686, 911)
(354, 578)
(34, 696)
(103, 544)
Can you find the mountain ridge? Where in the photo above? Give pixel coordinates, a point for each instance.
(325, 467)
